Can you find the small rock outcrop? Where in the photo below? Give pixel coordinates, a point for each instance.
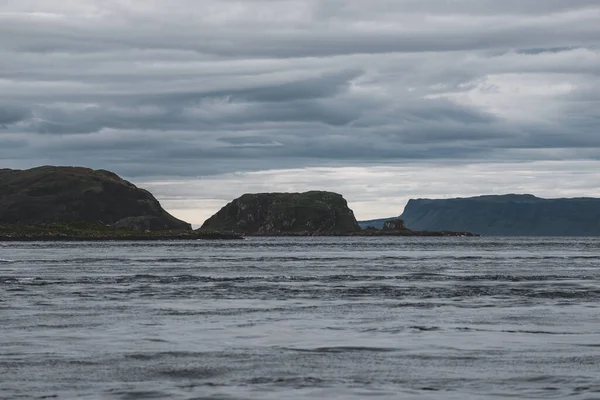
(73, 194)
(394, 225)
(310, 213)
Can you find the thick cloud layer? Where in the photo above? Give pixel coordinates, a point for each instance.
(192, 88)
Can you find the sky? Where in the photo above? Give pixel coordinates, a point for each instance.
(200, 101)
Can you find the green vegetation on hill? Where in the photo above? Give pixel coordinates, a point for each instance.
(73, 194)
(309, 213)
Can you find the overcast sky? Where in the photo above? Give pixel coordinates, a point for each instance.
(201, 100)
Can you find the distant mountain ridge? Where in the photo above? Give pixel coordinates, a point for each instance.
(503, 215)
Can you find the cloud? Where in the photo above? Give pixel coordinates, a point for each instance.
(11, 114)
(296, 28)
(190, 88)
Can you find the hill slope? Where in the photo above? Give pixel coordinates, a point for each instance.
(74, 194)
(315, 212)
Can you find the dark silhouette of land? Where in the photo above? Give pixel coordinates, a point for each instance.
(504, 215)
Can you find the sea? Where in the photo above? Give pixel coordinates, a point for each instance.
(301, 318)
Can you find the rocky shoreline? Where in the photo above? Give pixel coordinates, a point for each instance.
(367, 233)
(98, 232)
(415, 233)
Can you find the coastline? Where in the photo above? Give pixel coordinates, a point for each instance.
(369, 234)
(126, 238)
(78, 232)
(160, 236)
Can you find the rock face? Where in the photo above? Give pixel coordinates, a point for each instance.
(507, 215)
(310, 213)
(74, 194)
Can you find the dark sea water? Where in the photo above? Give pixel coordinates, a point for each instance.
(302, 318)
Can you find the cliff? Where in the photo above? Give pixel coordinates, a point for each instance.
(310, 213)
(73, 194)
(507, 215)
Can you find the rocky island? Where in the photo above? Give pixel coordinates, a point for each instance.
(294, 214)
(71, 203)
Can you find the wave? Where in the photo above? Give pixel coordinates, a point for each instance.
(344, 349)
(5, 261)
(163, 355)
(296, 382)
